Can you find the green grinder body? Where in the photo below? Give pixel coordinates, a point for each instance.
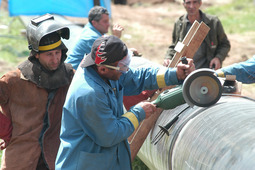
(170, 98)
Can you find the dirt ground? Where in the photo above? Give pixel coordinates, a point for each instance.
(156, 35)
(152, 25)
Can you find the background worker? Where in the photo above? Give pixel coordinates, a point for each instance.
(95, 128)
(244, 71)
(215, 46)
(97, 26)
(32, 98)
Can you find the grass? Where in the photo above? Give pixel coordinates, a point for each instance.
(137, 164)
(237, 17)
(13, 45)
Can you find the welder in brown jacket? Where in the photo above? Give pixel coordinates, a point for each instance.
(32, 97)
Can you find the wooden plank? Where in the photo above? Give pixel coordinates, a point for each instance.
(197, 40)
(193, 41)
(190, 33)
(138, 137)
(185, 41)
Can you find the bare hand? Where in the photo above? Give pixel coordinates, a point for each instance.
(135, 52)
(3, 145)
(183, 70)
(117, 30)
(215, 62)
(148, 107)
(167, 61)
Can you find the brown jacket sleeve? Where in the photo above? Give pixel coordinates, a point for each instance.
(5, 122)
(5, 128)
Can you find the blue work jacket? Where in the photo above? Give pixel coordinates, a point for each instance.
(94, 127)
(244, 71)
(83, 45)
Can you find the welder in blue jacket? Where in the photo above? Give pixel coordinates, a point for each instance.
(244, 71)
(94, 128)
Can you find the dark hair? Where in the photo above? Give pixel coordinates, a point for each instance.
(105, 50)
(96, 13)
(198, 0)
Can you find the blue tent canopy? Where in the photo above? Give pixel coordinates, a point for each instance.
(73, 8)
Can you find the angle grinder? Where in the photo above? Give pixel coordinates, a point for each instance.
(201, 88)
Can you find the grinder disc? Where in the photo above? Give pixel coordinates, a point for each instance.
(202, 88)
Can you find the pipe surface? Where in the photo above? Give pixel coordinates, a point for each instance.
(221, 136)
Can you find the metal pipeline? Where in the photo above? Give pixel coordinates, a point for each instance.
(221, 136)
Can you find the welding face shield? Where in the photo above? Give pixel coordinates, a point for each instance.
(42, 26)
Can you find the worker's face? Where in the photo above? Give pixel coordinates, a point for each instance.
(109, 73)
(192, 6)
(113, 74)
(103, 24)
(115, 70)
(50, 59)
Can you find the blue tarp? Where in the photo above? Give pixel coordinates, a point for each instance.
(73, 8)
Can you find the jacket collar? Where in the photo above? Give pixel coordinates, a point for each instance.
(33, 71)
(93, 75)
(204, 18)
(90, 26)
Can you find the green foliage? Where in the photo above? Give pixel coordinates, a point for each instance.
(237, 17)
(137, 164)
(13, 45)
